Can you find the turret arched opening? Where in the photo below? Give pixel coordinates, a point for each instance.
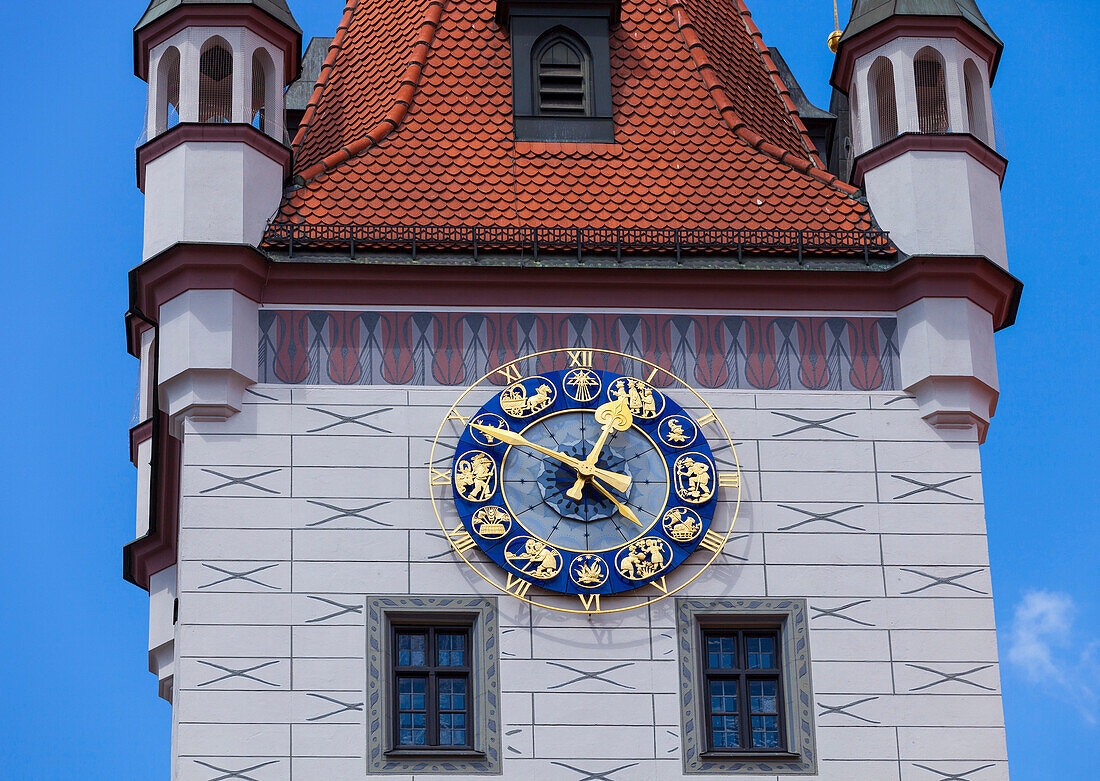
(884, 101)
(976, 111)
(216, 81)
(264, 82)
(929, 73)
(167, 90)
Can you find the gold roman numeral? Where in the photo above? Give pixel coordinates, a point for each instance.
(580, 358)
(729, 480)
(713, 541)
(517, 587)
(661, 584)
(460, 418)
(711, 418)
(439, 477)
(510, 373)
(461, 540)
(588, 600)
(652, 375)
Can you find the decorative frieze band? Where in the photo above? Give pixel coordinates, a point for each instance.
(755, 352)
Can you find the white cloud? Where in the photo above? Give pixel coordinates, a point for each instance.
(1044, 647)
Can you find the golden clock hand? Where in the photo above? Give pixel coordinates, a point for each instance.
(615, 416)
(625, 511)
(617, 481)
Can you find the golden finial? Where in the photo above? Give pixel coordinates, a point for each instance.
(834, 36)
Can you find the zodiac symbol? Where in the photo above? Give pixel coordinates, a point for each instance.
(682, 524)
(488, 419)
(642, 400)
(693, 478)
(588, 571)
(677, 432)
(518, 404)
(537, 559)
(644, 558)
(581, 385)
(492, 523)
(475, 476)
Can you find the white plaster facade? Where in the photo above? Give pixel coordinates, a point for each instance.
(896, 576)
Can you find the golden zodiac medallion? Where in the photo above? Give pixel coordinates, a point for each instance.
(588, 571)
(527, 397)
(694, 477)
(642, 400)
(475, 477)
(582, 385)
(682, 524)
(494, 421)
(677, 431)
(492, 523)
(533, 558)
(644, 558)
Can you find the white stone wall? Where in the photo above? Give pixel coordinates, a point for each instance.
(310, 499)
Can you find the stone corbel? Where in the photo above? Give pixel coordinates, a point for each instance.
(207, 343)
(949, 363)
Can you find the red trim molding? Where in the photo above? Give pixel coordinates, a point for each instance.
(913, 27)
(139, 435)
(198, 131)
(212, 15)
(184, 267)
(218, 267)
(929, 142)
(156, 551)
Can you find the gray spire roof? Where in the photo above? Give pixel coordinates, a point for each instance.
(277, 9)
(868, 13)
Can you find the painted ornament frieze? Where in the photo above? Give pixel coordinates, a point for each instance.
(751, 352)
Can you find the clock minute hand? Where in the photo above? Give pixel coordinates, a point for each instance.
(615, 480)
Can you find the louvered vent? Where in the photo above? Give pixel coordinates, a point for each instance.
(562, 81)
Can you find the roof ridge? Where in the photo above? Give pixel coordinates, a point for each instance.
(811, 166)
(334, 48)
(410, 82)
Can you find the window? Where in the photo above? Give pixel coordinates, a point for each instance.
(928, 71)
(742, 680)
(975, 102)
(431, 668)
(433, 681)
(216, 82)
(168, 90)
(263, 100)
(561, 69)
(745, 692)
(884, 102)
(561, 72)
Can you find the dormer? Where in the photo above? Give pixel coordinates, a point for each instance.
(561, 68)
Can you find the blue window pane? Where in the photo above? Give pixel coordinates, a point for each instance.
(452, 650)
(410, 650)
(452, 694)
(721, 652)
(726, 731)
(765, 731)
(762, 696)
(723, 696)
(761, 653)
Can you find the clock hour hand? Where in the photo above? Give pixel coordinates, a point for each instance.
(625, 511)
(617, 481)
(615, 416)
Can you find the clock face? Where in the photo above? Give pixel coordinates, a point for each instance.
(580, 473)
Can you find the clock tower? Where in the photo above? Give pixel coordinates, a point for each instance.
(550, 391)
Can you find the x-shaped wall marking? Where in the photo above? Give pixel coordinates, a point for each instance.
(842, 710)
(938, 488)
(814, 425)
(242, 481)
(829, 517)
(344, 706)
(350, 420)
(947, 580)
(945, 776)
(589, 775)
(245, 673)
(838, 612)
(244, 575)
(591, 676)
(344, 610)
(238, 774)
(345, 512)
(948, 677)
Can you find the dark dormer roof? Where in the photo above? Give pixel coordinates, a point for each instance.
(868, 13)
(278, 9)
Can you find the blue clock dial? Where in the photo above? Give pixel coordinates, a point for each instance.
(585, 481)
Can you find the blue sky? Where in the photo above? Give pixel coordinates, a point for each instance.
(77, 702)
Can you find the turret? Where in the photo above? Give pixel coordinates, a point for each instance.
(917, 74)
(214, 151)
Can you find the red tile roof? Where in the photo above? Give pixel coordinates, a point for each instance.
(411, 123)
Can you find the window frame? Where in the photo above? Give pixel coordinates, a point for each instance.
(788, 620)
(548, 41)
(479, 616)
(432, 673)
(743, 675)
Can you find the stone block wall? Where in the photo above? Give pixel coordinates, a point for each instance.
(312, 499)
